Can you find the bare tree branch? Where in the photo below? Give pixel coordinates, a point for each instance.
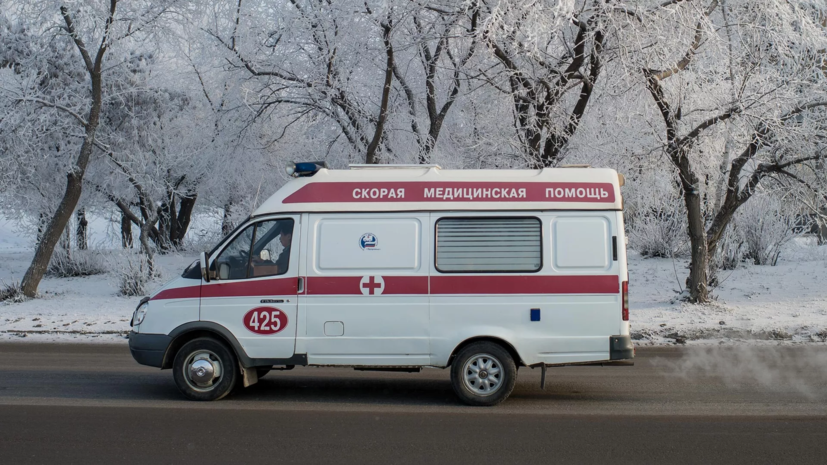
(56, 106)
(370, 156)
(696, 42)
(70, 28)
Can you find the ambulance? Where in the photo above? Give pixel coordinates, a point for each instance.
(397, 268)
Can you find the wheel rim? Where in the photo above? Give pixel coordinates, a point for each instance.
(203, 370)
(483, 374)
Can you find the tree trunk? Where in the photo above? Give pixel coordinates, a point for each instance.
(74, 178)
(126, 212)
(150, 215)
(41, 227)
(227, 225)
(163, 221)
(147, 250)
(698, 269)
(81, 231)
(55, 228)
(66, 240)
(370, 156)
(173, 221)
(183, 218)
(126, 232)
(150, 218)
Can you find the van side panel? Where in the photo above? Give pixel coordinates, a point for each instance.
(366, 297)
(577, 293)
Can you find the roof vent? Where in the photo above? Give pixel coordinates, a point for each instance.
(391, 167)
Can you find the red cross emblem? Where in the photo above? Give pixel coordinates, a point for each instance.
(372, 285)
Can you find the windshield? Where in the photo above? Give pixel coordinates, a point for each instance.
(222, 241)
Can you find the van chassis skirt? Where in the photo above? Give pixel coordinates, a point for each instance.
(621, 354)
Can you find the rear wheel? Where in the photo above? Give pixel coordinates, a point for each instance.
(483, 374)
(205, 369)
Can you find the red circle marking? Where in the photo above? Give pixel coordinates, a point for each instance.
(265, 320)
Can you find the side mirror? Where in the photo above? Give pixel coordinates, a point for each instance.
(205, 272)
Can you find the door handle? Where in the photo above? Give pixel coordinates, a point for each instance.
(301, 286)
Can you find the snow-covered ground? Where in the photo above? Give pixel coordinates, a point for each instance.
(83, 309)
(786, 303)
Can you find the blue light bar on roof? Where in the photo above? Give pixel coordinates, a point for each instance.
(308, 168)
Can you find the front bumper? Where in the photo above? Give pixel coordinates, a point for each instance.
(149, 349)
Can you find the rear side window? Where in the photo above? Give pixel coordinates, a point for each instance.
(488, 245)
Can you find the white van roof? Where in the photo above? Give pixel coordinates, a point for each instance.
(428, 187)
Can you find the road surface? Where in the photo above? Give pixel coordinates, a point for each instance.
(85, 403)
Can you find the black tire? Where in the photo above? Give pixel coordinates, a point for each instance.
(481, 355)
(217, 355)
(261, 371)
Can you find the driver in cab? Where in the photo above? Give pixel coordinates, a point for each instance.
(262, 264)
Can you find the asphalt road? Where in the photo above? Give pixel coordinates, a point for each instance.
(93, 404)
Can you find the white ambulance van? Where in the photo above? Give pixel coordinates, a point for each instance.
(400, 267)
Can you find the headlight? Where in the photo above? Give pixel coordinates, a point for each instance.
(140, 313)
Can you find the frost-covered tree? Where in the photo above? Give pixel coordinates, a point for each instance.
(702, 103)
(36, 146)
(739, 86)
(549, 61)
(94, 32)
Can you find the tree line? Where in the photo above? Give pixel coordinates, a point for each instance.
(159, 109)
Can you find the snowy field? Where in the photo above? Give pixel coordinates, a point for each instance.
(782, 304)
(785, 303)
(84, 309)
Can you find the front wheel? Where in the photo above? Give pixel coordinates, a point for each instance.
(483, 374)
(205, 369)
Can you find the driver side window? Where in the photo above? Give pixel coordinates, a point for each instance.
(233, 261)
(262, 249)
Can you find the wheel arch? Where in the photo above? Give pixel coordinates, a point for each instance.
(193, 330)
(496, 340)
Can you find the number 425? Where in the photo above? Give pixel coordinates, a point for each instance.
(267, 319)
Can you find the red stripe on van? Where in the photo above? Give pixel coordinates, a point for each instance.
(189, 292)
(453, 191)
(400, 285)
(252, 288)
(524, 284)
(351, 285)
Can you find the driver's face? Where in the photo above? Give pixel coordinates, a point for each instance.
(285, 239)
